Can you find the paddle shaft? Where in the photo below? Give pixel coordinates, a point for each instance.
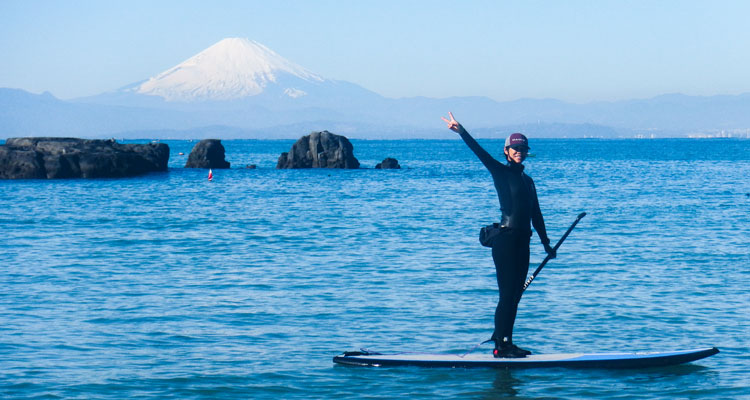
(562, 239)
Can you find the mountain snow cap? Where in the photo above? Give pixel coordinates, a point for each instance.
(230, 69)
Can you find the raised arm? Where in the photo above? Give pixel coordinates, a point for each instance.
(481, 153)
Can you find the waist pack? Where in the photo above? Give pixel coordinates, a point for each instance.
(488, 234)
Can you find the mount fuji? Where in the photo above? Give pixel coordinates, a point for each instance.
(231, 69)
(233, 73)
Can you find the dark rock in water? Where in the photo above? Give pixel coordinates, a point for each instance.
(319, 150)
(21, 164)
(208, 153)
(52, 158)
(388, 163)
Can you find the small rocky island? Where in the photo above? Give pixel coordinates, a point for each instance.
(208, 153)
(55, 158)
(319, 150)
(388, 163)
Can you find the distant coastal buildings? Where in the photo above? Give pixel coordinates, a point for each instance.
(724, 133)
(707, 134)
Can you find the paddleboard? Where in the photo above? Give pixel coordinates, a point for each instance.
(573, 360)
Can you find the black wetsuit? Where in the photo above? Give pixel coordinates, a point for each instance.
(510, 251)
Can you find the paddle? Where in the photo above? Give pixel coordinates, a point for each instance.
(539, 268)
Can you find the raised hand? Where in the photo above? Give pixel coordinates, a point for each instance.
(452, 123)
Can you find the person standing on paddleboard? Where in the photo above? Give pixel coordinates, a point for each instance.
(519, 208)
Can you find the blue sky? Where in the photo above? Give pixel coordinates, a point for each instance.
(577, 51)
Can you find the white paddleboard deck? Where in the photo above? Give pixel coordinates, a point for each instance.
(574, 360)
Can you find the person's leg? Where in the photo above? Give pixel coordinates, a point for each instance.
(519, 271)
(511, 256)
(503, 256)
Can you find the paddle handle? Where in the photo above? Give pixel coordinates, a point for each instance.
(562, 239)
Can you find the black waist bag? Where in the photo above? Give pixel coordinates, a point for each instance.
(488, 234)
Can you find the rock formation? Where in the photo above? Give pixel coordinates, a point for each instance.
(319, 150)
(51, 158)
(208, 153)
(388, 163)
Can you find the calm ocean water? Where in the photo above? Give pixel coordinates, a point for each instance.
(170, 286)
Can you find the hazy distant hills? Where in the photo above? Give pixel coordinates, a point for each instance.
(241, 89)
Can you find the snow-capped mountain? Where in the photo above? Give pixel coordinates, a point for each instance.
(240, 88)
(233, 68)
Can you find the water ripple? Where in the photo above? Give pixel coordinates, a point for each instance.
(170, 286)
